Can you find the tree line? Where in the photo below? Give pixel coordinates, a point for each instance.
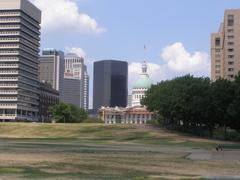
(196, 104)
(68, 113)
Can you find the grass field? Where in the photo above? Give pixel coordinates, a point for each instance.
(96, 151)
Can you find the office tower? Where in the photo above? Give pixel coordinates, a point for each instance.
(225, 47)
(51, 69)
(72, 91)
(75, 68)
(19, 48)
(110, 85)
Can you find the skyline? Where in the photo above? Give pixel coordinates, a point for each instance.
(177, 41)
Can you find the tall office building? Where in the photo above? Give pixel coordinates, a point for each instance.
(225, 47)
(75, 68)
(110, 86)
(19, 48)
(51, 69)
(72, 91)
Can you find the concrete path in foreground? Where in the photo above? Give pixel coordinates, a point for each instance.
(216, 155)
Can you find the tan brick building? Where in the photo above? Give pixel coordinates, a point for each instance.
(225, 47)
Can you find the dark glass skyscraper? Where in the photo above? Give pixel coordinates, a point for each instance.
(110, 84)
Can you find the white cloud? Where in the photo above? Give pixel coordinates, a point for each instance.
(78, 51)
(65, 15)
(178, 59)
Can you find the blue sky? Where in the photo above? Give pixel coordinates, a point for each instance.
(176, 32)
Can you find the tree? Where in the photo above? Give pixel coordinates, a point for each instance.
(222, 95)
(234, 107)
(68, 113)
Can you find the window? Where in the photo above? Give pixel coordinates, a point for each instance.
(230, 69)
(230, 43)
(217, 66)
(230, 37)
(230, 30)
(217, 61)
(217, 71)
(231, 63)
(230, 50)
(230, 20)
(217, 42)
(217, 56)
(231, 76)
(217, 50)
(230, 56)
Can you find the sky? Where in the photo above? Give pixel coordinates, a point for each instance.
(175, 32)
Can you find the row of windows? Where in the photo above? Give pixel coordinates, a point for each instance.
(8, 92)
(131, 116)
(8, 79)
(8, 84)
(139, 96)
(10, 33)
(9, 19)
(10, 27)
(9, 13)
(8, 72)
(8, 65)
(9, 45)
(8, 98)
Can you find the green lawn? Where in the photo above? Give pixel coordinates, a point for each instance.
(96, 151)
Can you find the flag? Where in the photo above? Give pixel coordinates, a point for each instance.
(145, 48)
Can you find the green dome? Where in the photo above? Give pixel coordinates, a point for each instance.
(143, 82)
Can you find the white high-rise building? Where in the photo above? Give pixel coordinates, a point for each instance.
(75, 68)
(19, 48)
(51, 69)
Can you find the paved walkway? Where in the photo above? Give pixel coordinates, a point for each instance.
(216, 155)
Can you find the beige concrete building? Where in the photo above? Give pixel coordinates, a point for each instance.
(19, 47)
(225, 47)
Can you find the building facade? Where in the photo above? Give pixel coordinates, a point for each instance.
(85, 89)
(51, 69)
(19, 47)
(72, 91)
(47, 97)
(141, 86)
(110, 84)
(129, 115)
(225, 47)
(74, 67)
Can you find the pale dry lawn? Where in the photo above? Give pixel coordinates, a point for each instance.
(85, 151)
